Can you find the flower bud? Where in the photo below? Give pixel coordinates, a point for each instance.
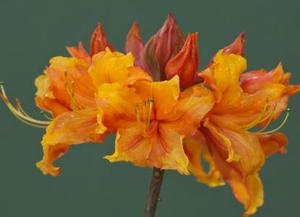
(237, 46)
(162, 46)
(99, 41)
(134, 44)
(185, 63)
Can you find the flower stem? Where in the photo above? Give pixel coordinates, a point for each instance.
(154, 191)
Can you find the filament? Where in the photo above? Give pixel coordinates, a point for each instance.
(144, 113)
(19, 112)
(261, 132)
(69, 86)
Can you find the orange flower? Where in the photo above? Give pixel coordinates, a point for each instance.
(151, 131)
(71, 84)
(234, 153)
(162, 115)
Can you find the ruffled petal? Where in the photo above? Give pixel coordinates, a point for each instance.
(68, 129)
(118, 103)
(164, 94)
(192, 105)
(241, 148)
(247, 188)
(159, 147)
(110, 67)
(223, 77)
(197, 152)
(273, 143)
(70, 82)
(45, 99)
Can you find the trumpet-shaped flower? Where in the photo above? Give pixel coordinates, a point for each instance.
(235, 153)
(164, 115)
(67, 89)
(153, 115)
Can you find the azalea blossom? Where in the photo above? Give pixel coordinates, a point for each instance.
(165, 113)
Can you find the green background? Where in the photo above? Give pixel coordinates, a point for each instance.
(33, 31)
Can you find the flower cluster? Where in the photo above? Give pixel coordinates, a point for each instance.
(165, 113)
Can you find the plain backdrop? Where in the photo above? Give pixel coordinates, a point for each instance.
(31, 32)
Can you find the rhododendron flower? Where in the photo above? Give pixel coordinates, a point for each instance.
(243, 101)
(165, 113)
(152, 133)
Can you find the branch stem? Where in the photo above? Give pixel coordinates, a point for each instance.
(154, 191)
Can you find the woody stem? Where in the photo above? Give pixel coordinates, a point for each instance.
(154, 191)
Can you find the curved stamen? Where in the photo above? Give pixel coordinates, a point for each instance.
(19, 112)
(277, 128)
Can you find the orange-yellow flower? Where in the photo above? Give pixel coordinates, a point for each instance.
(153, 118)
(163, 115)
(67, 89)
(235, 153)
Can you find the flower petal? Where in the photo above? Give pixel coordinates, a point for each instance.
(118, 103)
(68, 129)
(197, 152)
(247, 189)
(165, 95)
(109, 67)
(273, 143)
(70, 83)
(192, 105)
(241, 148)
(79, 52)
(161, 147)
(223, 76)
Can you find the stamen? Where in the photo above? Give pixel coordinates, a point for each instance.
(69, 85)
(144, 112)
(19, 112)
(269, 119)
(277, 128)
(46, 115)
(265, 115)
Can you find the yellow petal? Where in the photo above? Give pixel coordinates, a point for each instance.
(110, 67)
(69, 82)
(193, 104)
(118, 103)
(197, 151)
(45, 99)
(247, 189)
(165, 95)
(223, 76)
(241, 148)
(70, 128)
(160, 147)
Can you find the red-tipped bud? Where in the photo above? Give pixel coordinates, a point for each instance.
(185, 63)
(237, 46)
(165, 44)
(99, 41)
(78, 52)
(135, 44)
